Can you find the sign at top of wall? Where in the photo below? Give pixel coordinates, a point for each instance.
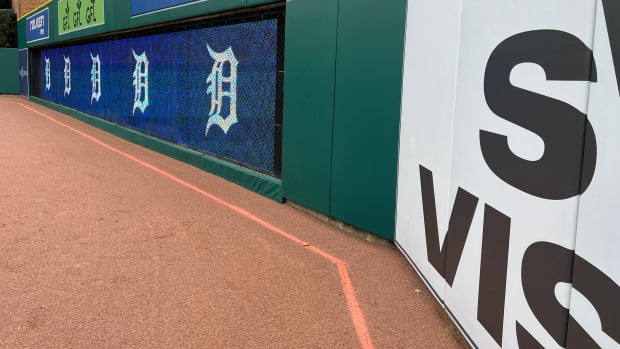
(37, 26)
(139, 7)
(76, 15)
(508, 167)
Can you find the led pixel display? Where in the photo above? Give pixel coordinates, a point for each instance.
(211, 89)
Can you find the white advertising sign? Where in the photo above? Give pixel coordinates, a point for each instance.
(595, 299)
(426, 131)
(493, 165)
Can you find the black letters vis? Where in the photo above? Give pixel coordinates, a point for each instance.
(564, 171)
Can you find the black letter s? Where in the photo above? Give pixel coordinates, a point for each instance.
(564, 129)
(544, 266)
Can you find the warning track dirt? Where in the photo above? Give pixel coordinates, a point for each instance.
(106, 243)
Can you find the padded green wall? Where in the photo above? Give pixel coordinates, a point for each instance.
(367, 113)
(343, 75)
(9, 67)
(342, 108)
(309, 80)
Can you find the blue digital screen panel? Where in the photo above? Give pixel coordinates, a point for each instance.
(211, 89)
(139, 7)
(23, 72)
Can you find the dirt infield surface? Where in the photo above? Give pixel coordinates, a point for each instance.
(107, 244)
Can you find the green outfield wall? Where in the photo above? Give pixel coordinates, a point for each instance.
(342, 109)
(341, 96)
(9, 71)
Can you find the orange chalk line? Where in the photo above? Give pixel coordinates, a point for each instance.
(355, 311)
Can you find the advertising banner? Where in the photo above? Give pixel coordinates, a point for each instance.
(23, 72)
(504, 203)
(520, 121)
(74, 15)
(211, 89)
(37, 26)
(595, 299)
(139, 7)
(426, 130)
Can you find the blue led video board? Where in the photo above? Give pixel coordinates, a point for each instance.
(211, 89)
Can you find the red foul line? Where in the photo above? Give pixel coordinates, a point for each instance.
(355, 311)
